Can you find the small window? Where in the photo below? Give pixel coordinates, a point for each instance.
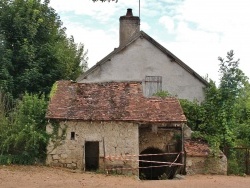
(153, 84)
(72, 136)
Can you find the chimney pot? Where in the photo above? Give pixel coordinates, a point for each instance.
(129, 12)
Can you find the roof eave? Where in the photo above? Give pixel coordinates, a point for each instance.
(126, 120)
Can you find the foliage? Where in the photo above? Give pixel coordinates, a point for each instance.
(162, 94)
(223, 117)
(53, 90)
(242, 131)
(236, 158)
(234, 166)
(23, 137)
(35, 51)
(58, 134)
(230, 91)
(194, 113)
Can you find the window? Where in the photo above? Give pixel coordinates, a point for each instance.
(153, 84)
(72, 136)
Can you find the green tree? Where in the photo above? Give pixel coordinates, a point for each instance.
(242, 131)
(23, 137)
(231, 88)
(6, 80)
(220, 117)
(35, 51)
(194, 113)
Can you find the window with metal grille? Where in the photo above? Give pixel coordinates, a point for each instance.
(153, 84)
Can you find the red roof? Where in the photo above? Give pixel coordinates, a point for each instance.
(111, 101)
(196, 148)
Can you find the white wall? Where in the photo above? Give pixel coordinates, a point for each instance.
(141, 59)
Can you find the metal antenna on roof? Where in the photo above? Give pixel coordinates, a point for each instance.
(139, 9)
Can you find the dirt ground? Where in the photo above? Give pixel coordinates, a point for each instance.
(42, 176)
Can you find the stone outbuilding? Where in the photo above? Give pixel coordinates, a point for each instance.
(112, 127)
(199, 159)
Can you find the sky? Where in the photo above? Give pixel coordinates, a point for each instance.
(196, 31)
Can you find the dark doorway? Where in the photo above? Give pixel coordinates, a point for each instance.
(91, 156)
(148, 172)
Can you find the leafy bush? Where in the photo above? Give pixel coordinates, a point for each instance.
(162, 94)
(23, 136)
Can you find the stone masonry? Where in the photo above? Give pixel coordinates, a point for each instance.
(200, 160)
(165, 140)
(115, 139)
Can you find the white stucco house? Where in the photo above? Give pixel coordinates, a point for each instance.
(140, 58)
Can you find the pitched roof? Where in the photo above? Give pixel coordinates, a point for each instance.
(142, 34)
(111, 101)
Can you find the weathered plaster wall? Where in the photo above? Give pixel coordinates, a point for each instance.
(118, 138)
(206, 165)
(142, 59)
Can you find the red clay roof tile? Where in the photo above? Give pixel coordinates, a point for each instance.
(118, 101)
(196, 148)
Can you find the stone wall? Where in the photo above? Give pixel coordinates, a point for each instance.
(122, 139)
(200, 159)
(156, 140)
(165, 140)
(206, 165)
(115, 139)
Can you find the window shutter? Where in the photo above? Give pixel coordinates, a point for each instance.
(153, 84)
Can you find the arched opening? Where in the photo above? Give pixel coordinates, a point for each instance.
(150, 170)
(153, 170)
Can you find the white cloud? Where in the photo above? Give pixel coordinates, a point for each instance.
(98, 42)
(208, 29)
(145, 26)
(99, 11)
(187, 34)
(216, 15)
(168, 23)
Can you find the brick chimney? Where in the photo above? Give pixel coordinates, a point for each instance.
(129, 25)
